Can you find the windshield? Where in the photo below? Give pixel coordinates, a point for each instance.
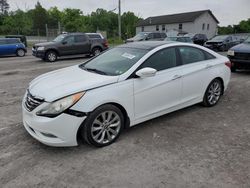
(115, 61)
(59, 38)
(140, 36)
(247, 40)
(221, 38)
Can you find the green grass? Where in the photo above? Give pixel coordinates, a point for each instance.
(115, 41)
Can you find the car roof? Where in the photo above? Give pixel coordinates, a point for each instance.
(145, 45)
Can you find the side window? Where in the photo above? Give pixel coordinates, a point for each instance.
(2, 42)
(191, 55)
(80, 38)
(70, 40)
(157, 35)
(162, 60)
(163, 35)
(150, 36)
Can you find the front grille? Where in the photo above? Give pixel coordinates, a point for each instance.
(242, 56)
(32, 102)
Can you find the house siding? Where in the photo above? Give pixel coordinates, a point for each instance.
(190, 27)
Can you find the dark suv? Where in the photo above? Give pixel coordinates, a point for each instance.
(222, 42)
(142, 36)
(200, 39)
(69, 44)
(239, 55)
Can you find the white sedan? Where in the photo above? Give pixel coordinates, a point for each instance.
(120, 88)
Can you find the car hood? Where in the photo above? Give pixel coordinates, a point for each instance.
(45, 44)
(63, 82)
(243, 47)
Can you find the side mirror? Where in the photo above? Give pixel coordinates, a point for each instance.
(64, 42)
(146, 72)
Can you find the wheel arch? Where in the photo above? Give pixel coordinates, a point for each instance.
(54, 50)
(119, 106)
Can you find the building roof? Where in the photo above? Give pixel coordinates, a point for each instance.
(175, 18)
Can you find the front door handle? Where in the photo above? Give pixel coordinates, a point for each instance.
(176, 77)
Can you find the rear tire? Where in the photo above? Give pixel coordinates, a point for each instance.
(213, 93)
(103, 126)
(96, 51)
(51, 56)
(20, 53)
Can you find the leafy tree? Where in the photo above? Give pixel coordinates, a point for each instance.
(4, 6)
(39, 18)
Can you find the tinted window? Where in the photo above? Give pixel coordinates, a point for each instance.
(2, 42)
(162, 60)
(70, 39)
(150, 36)
(163, 35)
(95, 36)
(157, 35)
(191, 55)
(80, 38)
(13, 41)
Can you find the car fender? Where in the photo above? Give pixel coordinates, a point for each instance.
(120, 93)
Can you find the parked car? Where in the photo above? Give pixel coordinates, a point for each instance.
(22, 38)
(120, 88)
(200, 39)
(69, 44)
(149, 36)
(11, 46)
(239, 55)
(179, 39)
(222, 42)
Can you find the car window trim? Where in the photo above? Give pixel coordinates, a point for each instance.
(203, 51)
(178, 63)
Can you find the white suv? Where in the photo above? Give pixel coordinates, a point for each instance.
(120, 88)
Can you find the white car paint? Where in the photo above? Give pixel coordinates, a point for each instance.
(142, 98)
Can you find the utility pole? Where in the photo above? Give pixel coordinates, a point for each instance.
(119, 20)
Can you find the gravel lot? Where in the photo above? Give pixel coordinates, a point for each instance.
(196, 147)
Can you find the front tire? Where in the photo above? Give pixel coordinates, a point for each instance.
(103, 126)
(213, 93)
(20, 53)
(51, 56)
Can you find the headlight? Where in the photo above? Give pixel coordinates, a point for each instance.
(230, 52)
(57, 107)
(40, 48)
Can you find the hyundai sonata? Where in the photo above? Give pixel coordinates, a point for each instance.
(120, 88)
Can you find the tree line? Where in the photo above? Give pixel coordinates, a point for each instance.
(33, 21)
(242, 27)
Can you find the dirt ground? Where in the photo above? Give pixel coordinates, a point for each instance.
(196, 147)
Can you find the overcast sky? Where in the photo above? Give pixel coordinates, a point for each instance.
(226, 11)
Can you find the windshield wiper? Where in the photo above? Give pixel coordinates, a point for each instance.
(94, 70)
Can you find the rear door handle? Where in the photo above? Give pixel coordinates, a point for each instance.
(176, 77)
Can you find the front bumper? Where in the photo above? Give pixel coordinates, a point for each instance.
(213, 46)
(240, 63)
(39, 54)
(60, 131)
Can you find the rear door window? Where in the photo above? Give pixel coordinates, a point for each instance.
(80, 38)
(191, 55)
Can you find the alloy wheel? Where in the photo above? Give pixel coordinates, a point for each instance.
(106, 127)
(214, 93)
